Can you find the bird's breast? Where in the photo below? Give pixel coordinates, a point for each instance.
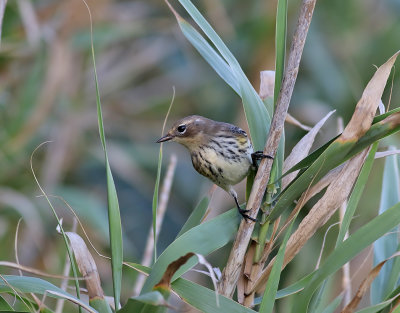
(224, 164)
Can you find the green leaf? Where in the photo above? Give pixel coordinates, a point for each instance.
(290, 290)
(386, 246)
(378, 307)
(198, 296)
(139, 267)
(349, 248)
(148, 302)
(155, 202)
(100, 304)
(356, 193)
(333, 305)
(202, 239)
(114, 217)
(268, 300)
(4, 306)
(196, 216)
(280, 44)
(26, 284)
(209, 54)
(115, 230)
(204, 299)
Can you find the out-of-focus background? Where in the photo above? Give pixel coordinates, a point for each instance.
(47, 93)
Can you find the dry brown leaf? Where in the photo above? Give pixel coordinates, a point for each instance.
(366, 107)
(300, 151)
(337, 192)
(86, 265)
(165, 281)
(364, 286)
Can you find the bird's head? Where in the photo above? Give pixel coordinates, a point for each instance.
(190, 131)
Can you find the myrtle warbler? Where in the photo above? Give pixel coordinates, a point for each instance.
(220, 151)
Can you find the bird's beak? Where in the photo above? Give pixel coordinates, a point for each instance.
(167, 137)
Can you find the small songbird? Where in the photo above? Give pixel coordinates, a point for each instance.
(220, 151)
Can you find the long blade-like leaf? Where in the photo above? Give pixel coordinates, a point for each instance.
(202, 239)
(268, 301)
(349, 248)
(26, 284)
(386, 246)
(280, 45)
(114, 217)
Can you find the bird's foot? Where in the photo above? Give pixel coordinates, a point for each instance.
(246, 216)
(259, 155)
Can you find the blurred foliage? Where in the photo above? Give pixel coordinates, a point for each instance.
(47, 93)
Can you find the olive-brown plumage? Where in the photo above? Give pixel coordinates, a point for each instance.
(219, 151)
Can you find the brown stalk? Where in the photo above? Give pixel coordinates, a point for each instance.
(232, 270)
(257, 267)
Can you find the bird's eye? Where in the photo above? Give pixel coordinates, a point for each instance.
(181, 128)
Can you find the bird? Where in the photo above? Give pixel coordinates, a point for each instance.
(220, 151)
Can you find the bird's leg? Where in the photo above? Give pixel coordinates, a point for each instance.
(259, 155)
(243, 212)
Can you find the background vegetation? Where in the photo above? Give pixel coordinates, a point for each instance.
(48, 93)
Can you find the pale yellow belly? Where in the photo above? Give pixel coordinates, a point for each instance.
(223, 171)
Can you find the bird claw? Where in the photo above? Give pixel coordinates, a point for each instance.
(259, 155)
(245, 216)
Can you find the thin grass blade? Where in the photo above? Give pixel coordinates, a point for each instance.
(387, 245)
(280, 44)
(114, 217)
